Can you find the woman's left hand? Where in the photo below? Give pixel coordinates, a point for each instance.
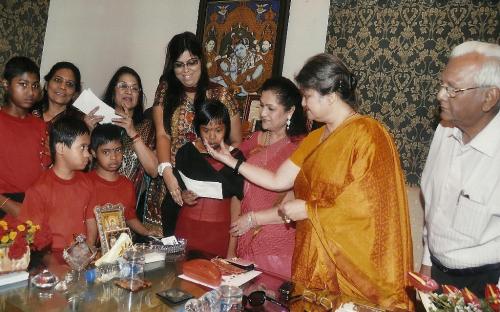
(223, 155)
(126, 123)
(241, 225)
(293, 210)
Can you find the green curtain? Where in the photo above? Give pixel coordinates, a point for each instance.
(397, 50)
(22, 29)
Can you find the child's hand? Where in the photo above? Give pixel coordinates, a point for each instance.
(189, 197)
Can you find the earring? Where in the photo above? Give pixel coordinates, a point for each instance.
(288, 122)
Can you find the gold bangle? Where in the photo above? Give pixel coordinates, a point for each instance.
(3, 204)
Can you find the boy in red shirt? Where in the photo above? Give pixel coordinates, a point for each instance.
(23, 153)
(110, 187)
(60, 198)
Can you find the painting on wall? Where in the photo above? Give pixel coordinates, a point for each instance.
(243, 42)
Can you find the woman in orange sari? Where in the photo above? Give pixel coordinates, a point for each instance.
(353, 241)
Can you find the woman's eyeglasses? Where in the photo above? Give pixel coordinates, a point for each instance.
(123, 86)
(257, 299)
(190, 64)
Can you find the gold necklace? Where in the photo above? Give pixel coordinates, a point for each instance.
(267, 139)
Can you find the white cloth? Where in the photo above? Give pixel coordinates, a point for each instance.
(461, 188)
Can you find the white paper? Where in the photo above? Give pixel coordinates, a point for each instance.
(87, 101)
(14, 277)
(203, 188)
(154, 257)
(231, 280)
(170, 240)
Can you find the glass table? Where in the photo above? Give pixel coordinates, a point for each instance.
(81, 296)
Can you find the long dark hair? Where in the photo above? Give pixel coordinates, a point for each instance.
(288, 96)
(185, 41)
(43, 104)
(109, 94)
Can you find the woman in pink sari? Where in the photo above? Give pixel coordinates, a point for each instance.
(268, 245)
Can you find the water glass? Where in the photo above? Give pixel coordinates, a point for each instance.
(231, 298)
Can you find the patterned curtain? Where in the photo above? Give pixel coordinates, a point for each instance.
(22, 30)
(397, 50)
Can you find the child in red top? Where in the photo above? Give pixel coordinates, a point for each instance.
(110, 187)
(60, 198)
(23, 152)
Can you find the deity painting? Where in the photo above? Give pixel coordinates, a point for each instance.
(240, 40)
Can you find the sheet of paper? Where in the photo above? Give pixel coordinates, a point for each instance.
(14, 277)
(231, 280)
(87, 101)
(203, 188)
(170, 240)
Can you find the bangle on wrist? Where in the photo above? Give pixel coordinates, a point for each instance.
(237, 167)
(3, 204)
(251, 220)
(135, 137)
(162, 166)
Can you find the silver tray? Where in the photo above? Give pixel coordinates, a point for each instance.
(169, 249)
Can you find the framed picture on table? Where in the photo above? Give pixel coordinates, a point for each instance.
(243, 42)
(110, 224)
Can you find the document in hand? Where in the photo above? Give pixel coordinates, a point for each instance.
(203, 188)
(87, 101)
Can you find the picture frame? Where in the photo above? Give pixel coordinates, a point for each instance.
(110, 224)
(243, 41)
(251, 114)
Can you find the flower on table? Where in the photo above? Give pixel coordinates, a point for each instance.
(453, 299)
(17, 236)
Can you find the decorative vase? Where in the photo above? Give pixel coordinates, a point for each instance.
(8, 265)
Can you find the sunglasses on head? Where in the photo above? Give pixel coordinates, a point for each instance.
(257, 299)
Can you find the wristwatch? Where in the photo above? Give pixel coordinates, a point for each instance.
(162, 167)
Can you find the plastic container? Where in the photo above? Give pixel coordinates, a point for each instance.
(102, 274)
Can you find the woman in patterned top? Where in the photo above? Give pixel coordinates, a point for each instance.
(183, 85)
(124, 93)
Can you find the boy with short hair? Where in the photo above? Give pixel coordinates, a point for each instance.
(110, 187)
(23, 153)
(60, 198)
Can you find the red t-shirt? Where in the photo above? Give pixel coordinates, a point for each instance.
(60, 205)
(23, 152)
(121, 191)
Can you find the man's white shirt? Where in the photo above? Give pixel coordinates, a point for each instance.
(461, 188)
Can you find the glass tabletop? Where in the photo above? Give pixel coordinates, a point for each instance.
(82, 296)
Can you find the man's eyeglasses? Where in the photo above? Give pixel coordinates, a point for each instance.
(452, 92)
(257, 299)
(123, 86)
(190, 64)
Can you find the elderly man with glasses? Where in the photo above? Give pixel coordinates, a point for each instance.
(461, 178)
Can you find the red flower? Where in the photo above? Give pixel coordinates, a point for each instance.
(422, 282)
(17, 249)
(449, 289)
(12, 222)
(42, 239)
(492, 295)
(470, 297)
